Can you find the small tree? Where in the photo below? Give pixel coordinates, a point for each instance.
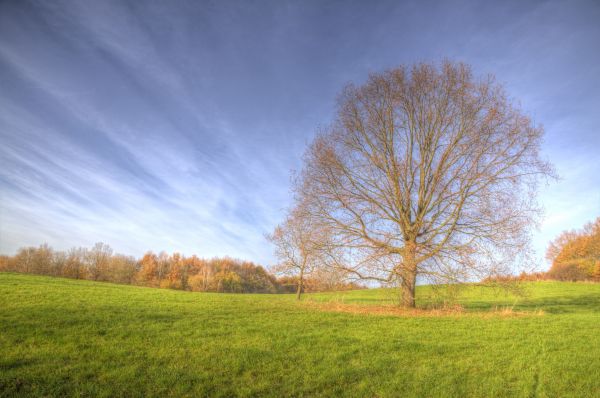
(75, 263)
(24, 260)
(43, 259)
(297, 246)
(575, 255)
(228, 282)
(123, 269)
(148, 273)
(98, 258)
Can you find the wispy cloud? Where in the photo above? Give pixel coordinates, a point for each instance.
(175, 125)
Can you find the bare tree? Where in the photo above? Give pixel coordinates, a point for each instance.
(297, 246)
(426, 172)
(75, 263)
(98, 259)
(25, 258)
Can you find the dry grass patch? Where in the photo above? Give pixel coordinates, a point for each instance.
(393, 310)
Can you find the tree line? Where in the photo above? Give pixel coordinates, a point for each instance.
(172, 271)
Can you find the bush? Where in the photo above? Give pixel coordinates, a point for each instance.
(571, 271)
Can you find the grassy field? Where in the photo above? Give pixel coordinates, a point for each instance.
(62, 337)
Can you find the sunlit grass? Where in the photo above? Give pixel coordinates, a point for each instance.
(63, 337)
(548, 296)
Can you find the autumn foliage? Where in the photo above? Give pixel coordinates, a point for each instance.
(174, 271)
(575, 255)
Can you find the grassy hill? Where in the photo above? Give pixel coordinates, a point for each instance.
(62, 337)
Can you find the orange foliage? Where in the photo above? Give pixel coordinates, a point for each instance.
(166, 271)
(149, 267)
(575, 255)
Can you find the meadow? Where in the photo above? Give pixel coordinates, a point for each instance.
(61, 337)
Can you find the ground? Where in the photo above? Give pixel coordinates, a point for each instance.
(62, 337)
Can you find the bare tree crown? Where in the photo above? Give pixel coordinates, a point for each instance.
(425, 171)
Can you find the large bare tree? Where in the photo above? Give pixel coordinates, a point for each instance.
(426, 172)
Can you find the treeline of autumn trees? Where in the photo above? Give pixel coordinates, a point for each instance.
(174, 271)
(574, 255)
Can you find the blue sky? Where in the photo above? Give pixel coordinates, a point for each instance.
(174, 125)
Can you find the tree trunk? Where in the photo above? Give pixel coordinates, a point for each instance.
(409, 275)
(300, 284)
(409, 282)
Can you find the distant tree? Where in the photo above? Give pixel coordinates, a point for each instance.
(570, 271)
(256, 279)
(298, 244)
(596, 273)
(425, 172)
(24, 260)
(178, 273)
(122, 269)
(323, 279)
(202, 275)
(74, 266)
(98, 261)
(59, 262)
(163, 266)
(287, 284)
(148, 273)
(5, 263)
(42, 261)
(228, 282)
(575, 255)
(195, 266)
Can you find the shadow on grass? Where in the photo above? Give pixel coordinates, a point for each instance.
(565, 304)
(15, 363)
(553, 305)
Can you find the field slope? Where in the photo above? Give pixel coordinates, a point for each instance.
(62, 337)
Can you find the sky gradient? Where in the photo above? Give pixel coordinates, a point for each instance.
(174, 125)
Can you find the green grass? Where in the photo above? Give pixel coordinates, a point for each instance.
(62, 337)
(547, 296)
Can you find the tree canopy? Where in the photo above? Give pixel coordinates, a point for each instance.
(426, 171)
(575, 255)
